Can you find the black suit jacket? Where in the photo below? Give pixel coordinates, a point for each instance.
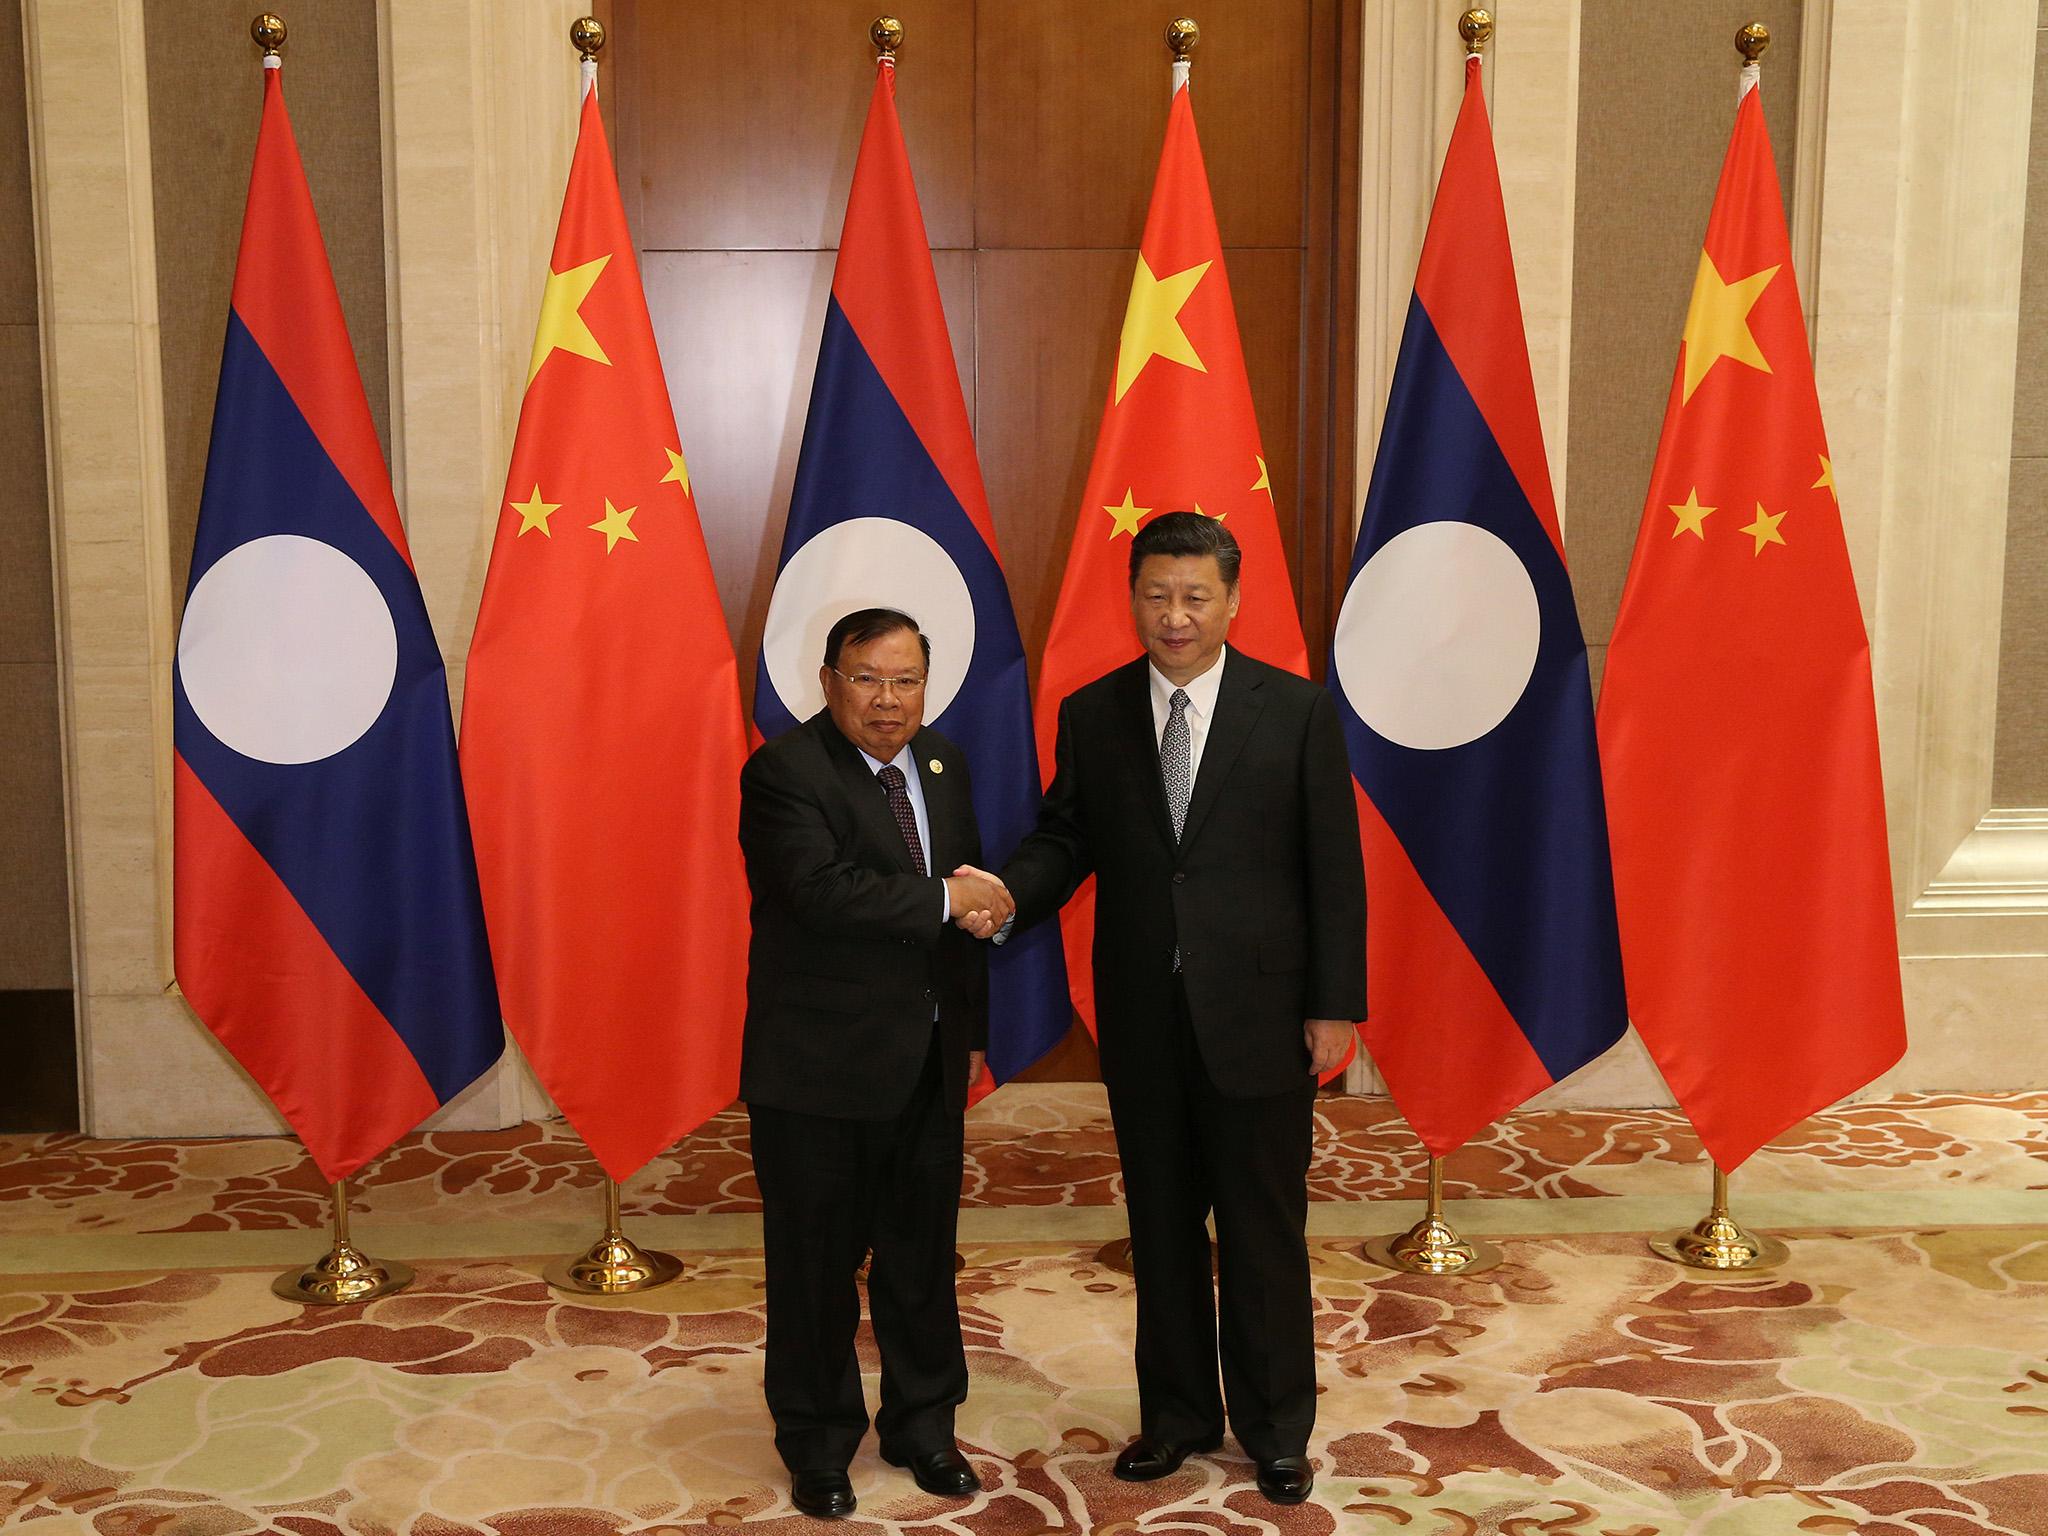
(849, 957)
(1265, 893)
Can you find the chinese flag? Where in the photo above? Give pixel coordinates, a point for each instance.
(1177, 435)
(601, 729)
(1737, 728)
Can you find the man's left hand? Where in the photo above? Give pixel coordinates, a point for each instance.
(1328, 1040)
(974, 1061)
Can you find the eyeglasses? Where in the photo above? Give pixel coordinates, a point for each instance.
(867, 682)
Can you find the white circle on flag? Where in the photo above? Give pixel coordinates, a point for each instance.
(1438, 636)
(288, 651)
(866, 562)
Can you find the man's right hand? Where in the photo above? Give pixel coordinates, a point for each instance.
(981, 903)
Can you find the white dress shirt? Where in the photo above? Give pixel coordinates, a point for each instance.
(913, 786)
(1201, 709)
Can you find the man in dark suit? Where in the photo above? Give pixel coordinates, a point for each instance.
(867, 1016)
(1210, 796)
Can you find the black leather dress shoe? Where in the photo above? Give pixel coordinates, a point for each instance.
(1145, 1459)
(946, 1473)
(1286, 1479)
(825, 1495)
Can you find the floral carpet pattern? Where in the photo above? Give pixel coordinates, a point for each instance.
(1888, 1383)
(1891, 1379)
(1030, 1145)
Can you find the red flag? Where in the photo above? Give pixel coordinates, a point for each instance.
(1737, 727)
(1178, 434)
(601, 732)
(328, 925)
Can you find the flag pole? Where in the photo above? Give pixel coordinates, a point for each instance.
(1432, 1246)
(268, 31)
(344, 1275)
(1181, 36)
(1719, 1241)
(614, 1265)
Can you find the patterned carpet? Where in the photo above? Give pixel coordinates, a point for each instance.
(1032, 1145)
(1892, 1378)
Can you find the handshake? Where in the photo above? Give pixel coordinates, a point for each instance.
(981, 903)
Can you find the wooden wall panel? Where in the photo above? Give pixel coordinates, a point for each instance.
(744, 135)
(1046, 338)
(1070, 105)
(738, 333)
(1034, 133)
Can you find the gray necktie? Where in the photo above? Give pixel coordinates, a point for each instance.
(1177, 769)
(1176, 761)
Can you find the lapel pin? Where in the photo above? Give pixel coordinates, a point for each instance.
(936, 766)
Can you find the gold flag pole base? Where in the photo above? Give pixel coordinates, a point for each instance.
(614, 1265)
(344, 1275)
(1432, 1246)
(1719, 1241)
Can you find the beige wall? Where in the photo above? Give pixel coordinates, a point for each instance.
(1653, 127)
(204, 104)
(1908, 163)
(2020, 765)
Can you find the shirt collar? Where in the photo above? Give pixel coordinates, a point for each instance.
(903, 759)
(1201, 691)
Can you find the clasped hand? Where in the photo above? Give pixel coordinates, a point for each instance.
(981, 903)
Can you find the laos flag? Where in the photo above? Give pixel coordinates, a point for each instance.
(888, 511)
(328, 925)
(1494, 967)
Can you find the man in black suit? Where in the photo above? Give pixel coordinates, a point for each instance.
(867, 1016)
(1210, 796)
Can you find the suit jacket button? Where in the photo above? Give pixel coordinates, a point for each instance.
(1180, 877)
(929, 996)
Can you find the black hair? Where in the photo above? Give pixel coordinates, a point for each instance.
(1187, 533)
(865, 624)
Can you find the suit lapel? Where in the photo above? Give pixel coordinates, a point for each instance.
(942, 806)
(1238, 703)
(870, 801)
(1141, 741)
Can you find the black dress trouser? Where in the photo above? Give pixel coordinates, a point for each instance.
(1187, 1150)
(833, 1192)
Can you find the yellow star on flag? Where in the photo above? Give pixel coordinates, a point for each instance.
(1717, 322)
(1265, 481)
(678, 471)
(534, 513)
(1126, 517)
(1692, 516)
(616, 524)
(1827, 478)
(1152, 324)
(1200, 513)
(1765, 529)
(561, 326)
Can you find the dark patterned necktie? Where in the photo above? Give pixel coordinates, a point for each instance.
(906, 817)
(1176, 761)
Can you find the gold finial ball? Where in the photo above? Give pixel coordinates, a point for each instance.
(268, 30)
(587, 33)
(886, 33)
(1181, 36)
(1476, 27)
(1752, 40)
